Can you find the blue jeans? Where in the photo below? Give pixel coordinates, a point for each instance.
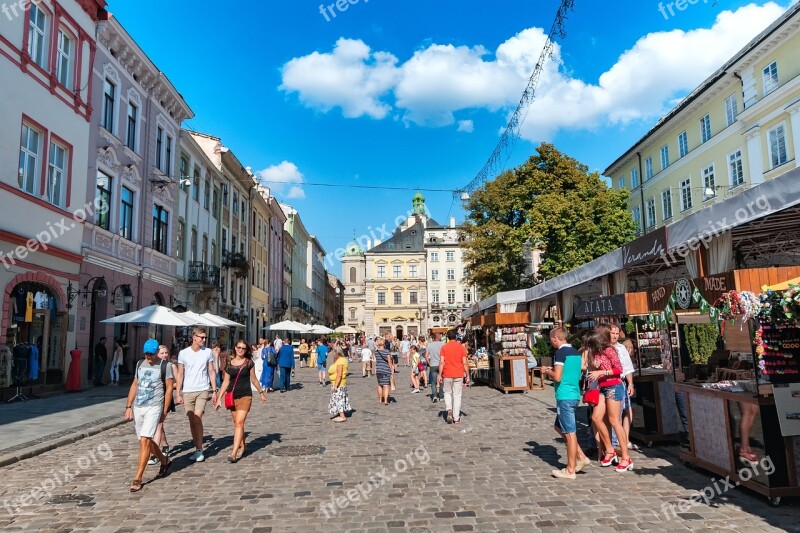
(98, 372)
(268, 377)
(286, 377)
(433, 375)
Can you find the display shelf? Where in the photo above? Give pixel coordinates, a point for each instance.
(778, 353)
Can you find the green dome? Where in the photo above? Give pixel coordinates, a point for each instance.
(353, 249)
(419, 204)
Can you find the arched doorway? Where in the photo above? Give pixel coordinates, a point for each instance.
(399, 332)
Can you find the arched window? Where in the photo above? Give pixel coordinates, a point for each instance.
(352, 274)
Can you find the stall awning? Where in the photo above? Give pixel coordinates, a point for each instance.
(603, 265)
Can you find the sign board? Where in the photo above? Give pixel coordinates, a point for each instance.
(787, 403)
(603, 306)
(646, 248)
(658, 297)
(712, 287)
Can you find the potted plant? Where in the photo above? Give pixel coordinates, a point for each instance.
(701, 341)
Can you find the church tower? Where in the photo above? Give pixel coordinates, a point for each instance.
(354, 270)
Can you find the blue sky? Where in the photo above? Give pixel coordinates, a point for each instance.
(415, 93)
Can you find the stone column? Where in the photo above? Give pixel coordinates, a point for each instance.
(755, 156)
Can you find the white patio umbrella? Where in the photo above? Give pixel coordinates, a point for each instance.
(346, 329)
(319, 329)
(199, 320)
(288, 325)
(153, 314)
(221, 321)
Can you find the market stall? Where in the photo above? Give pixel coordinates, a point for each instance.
(749, 429)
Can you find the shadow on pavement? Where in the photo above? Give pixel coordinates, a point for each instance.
(545, 452)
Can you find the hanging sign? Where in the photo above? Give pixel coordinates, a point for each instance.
(646, 248)
(713, 287)
(603, 306)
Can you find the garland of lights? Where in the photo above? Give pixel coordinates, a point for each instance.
(509, 137)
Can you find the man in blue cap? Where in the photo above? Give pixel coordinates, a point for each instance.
(148, 404)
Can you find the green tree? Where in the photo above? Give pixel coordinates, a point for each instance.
(551, 202)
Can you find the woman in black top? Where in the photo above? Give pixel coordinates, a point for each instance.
(240, 373)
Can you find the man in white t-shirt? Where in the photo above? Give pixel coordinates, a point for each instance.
(627, 377)
(405, 348)
(196, 375)
(366, 362)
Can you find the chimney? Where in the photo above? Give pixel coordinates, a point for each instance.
(452, 222)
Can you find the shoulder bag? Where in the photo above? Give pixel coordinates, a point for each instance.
(590, 396)
(229, 402)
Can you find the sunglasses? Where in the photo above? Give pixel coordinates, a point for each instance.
(241, 347)
(201, 337)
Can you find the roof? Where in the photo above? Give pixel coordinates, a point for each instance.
(708, 83)
(409, 241)
(432, 224)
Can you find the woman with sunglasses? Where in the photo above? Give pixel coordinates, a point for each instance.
(239, 374)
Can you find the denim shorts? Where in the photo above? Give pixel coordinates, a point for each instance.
(626, 403)
(616, 392)
(565, 415)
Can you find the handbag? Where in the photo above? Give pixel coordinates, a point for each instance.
(229, 402)
(590, 396)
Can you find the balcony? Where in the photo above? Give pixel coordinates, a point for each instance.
(203, 273)
(236, 261)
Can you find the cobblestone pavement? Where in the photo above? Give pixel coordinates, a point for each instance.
(396, 468)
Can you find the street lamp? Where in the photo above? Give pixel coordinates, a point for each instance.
(72, 292)
(127, 295)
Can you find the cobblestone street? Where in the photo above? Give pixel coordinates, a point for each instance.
(397, 468)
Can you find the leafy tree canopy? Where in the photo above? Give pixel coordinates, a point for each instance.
(551, 202)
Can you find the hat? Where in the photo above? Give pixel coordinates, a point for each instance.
(150, 346)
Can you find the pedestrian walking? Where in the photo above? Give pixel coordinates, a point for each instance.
(303, 349)
(196, 378)
(340, 402)
(148, 402)
(384, 366)
(286, 363)
(322, 361)
(161, 435)
(607, 372)
(453, 375)
(239, 377)
(366, 362)
(405, 349)
(217, 350)
(415, 370)
(434, 357)
(269, 356)
(100, 360)
(566, 376)
(116, 361)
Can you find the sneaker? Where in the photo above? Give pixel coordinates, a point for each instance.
(165, 451)
(197, 456)
(582, 464)
(152, 461)
(563, 474)
(449, 417)
(415, 391)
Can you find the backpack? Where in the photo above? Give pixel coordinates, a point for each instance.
(272, 356)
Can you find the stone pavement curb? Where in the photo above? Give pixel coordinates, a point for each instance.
(26, 452)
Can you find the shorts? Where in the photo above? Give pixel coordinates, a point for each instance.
(195, 402)
(304, 357)
(384, 380)
(565, 415)
(322, 367)
(146, 419)
(616, 392)
(242, 404)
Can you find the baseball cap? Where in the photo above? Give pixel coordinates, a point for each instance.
(150, 346)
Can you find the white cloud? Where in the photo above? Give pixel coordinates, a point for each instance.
(351, 77)
(283, 180)
(440, 80)
(466, 126)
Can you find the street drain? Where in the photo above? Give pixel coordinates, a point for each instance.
(296, 451)
(70, 498)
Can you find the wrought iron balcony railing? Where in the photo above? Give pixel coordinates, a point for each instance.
(200, 272)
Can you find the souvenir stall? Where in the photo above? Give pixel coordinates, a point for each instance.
(749, 428)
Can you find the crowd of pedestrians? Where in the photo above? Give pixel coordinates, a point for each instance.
(201, 375)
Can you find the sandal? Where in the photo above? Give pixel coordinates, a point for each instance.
(240, 453)
(232, 458)
(136, 485)
(162, 472)
(337, 419)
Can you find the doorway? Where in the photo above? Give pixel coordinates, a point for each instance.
(400, 332)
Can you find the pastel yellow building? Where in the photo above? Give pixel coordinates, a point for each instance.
(736, 130)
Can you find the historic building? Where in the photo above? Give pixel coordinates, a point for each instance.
(354, 273)
(300, 306)
(129, 248)
(739, 128)
(47, 58)
(197, 245)
(448, 292)
(334, 302)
